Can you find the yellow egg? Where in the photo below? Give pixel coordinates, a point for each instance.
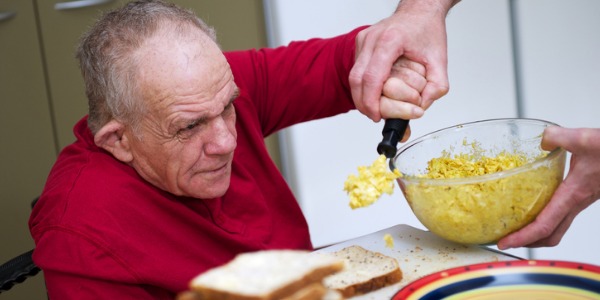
(389, 240)
(371, 183)
(463, 213)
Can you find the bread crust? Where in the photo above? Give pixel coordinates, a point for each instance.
(372, 285)
(347, 282)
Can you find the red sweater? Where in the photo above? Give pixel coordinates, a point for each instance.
(102, 232)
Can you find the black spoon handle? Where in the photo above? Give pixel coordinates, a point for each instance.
(392, 132)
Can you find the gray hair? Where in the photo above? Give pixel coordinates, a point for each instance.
(108, 64)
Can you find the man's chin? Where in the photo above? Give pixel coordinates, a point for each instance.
(207, 185)
(210, 191)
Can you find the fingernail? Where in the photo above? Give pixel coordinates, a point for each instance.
(504, 246)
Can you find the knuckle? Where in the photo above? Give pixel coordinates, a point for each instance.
(544, 230)
(388, 36)
(369, 77)
(371, 111)
(355, 77)
(443, 90)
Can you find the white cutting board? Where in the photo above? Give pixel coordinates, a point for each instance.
(419, 253)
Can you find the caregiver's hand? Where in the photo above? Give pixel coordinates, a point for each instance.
(416, 31)
(579, 190)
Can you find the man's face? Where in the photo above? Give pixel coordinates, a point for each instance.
(188, 135)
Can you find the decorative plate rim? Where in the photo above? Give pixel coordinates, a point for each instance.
(495, 269)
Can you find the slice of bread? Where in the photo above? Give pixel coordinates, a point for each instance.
(316, 291)
(313, 291)
(332, 295)
(265, 275)
(364, 271)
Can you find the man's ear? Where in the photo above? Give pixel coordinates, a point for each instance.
(111, 138)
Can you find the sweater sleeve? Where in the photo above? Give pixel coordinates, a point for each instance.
(303, 81)
(93, 272)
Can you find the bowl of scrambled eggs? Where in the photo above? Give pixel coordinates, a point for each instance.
(477, 182)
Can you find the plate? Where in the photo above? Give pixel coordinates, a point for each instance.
(523, 279)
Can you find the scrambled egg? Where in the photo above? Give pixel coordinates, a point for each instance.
(370, 183)
(482, 212)
(389, 240)
(464, 165)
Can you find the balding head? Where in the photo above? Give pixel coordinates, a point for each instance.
(109, 60)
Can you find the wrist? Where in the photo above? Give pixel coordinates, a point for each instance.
(428, 7)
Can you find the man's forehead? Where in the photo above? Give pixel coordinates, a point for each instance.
(174, 71)
(172, 29)
(164, 58)
(171, 34)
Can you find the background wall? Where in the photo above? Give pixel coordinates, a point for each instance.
(558, 48)
(506, 59)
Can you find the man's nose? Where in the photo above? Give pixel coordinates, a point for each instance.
(222, 138)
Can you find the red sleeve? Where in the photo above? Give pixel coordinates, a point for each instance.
(69, 287)
(303, 81)
(92, 274)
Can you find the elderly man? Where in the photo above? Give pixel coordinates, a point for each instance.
(169, 175)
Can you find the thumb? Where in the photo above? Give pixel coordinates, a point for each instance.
(437, 84)
(556, 136)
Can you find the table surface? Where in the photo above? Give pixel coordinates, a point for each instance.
(419, 253)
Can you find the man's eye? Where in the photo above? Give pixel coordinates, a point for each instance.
(191, 126)
(187, 130)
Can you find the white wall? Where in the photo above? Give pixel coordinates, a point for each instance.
(482, 83)
(560, 46)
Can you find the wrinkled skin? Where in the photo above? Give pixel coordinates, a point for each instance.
(187, 135)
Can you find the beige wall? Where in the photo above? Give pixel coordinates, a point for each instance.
(42, 96)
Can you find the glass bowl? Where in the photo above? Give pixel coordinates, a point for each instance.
(484, 208)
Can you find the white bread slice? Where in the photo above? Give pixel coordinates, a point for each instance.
(265, 275)
(316, 291)
(333, 295)
(313, 291)
(364, 271)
